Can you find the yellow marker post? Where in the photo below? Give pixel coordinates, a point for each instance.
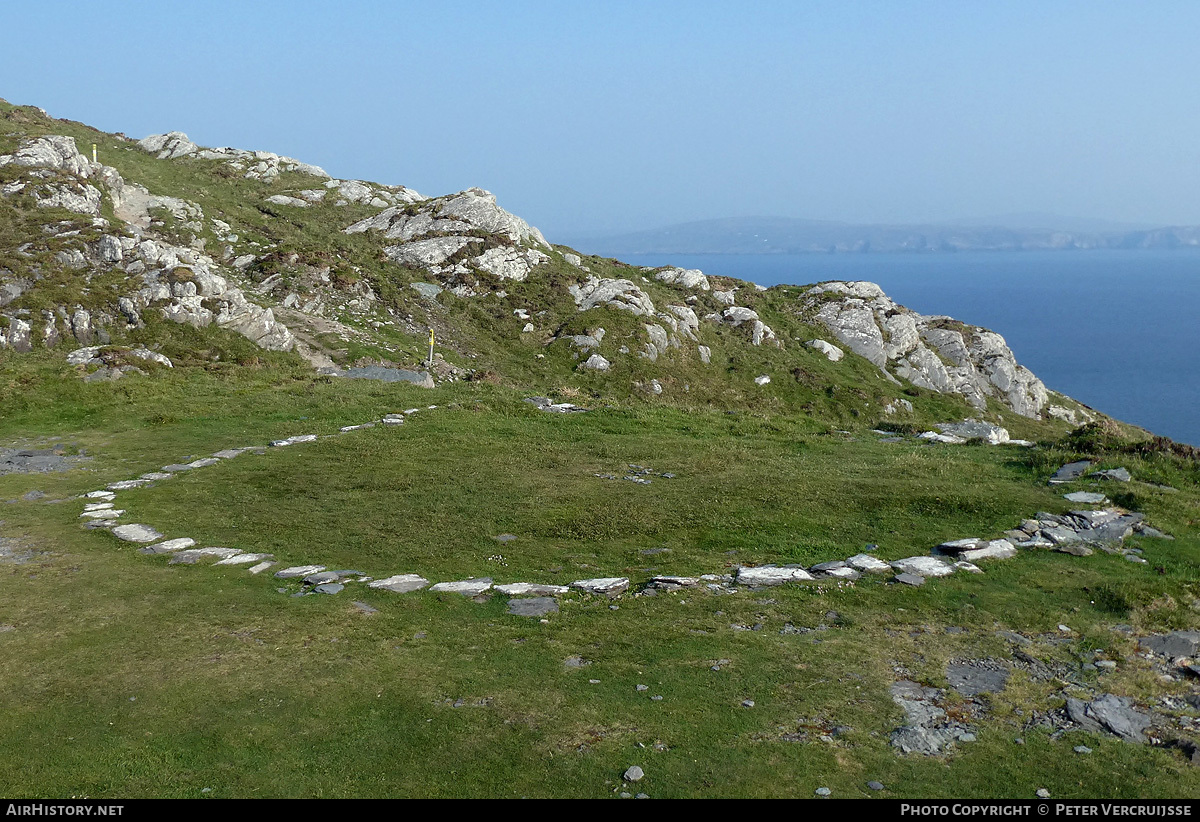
(93, 152)
(431, 348)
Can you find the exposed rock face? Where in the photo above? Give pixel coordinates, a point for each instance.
(934, 352)
(435, 235)
(737, 316)
(180, 282)
(621, 294)
(256, 165)
(684, 278)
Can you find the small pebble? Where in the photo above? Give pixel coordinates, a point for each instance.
(594, 681)
(875, 786)
(643, 687)
(656, 698)
(823, 791)
(1082, 749)
(748, 703)
(634, 773)
(1043, 793)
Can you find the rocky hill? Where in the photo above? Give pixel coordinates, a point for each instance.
(351, 275)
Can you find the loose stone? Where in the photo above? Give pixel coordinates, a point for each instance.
(136, 533)
(299, 571)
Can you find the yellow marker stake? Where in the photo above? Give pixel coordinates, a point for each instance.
(431, 348)
(93, 152)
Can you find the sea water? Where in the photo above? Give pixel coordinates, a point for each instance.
(1117, 330)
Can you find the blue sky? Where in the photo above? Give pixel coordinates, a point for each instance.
(593, 117)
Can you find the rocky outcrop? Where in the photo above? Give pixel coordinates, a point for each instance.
(182, 283)
(933, 352)
(254, 165)
(436, 236)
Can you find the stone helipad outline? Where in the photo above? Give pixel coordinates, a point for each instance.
(1051, 531)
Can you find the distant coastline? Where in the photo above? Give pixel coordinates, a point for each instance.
(780, 235)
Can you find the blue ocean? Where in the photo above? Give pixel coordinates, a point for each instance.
(1117, 330)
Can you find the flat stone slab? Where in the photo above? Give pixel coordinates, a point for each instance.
(1176, 643)
(1114, 714)
(170, 545)
(827, 566)
(321, 578)
(400, 583)
(204, 463)
(910, 579)
(230, 453)
(106, 513)
(364, 607)
(949, 439)
(1086, 496)
(849, 574)
(505, 537)
(466, 587)
(957, 546)
(972, 680)
(348, 428)
(772, 575)
(136, 533)
(869, 564)
(384, 374)
(1118, 474)
(98, 506)
(992, 549)
(258, 569)
(293, 440)
(299, 571)
(670, 583)
(99, 495)
(125, 485)
(191, 555)
(608, 586)
(329, 588)
(244, 559)
(535, 589)
(1069, 472)
(533, 607)
(923, 566)
(176, 468)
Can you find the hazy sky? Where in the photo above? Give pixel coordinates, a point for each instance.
(591, 117)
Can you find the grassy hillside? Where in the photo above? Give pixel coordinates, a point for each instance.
(130, 676)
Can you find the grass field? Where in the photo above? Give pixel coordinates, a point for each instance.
(129, 677)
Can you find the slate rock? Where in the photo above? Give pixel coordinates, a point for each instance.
(609, 586)
(1174, 644)
(533, 607)
(910, 579)
(136, 533)
(972, 680)
(1118, 474)
(537, 589)
(467, 587)
(1070, 471)
(633, 774)
(772, 575)
(329, 588)
(1086, 496)
(923, 566)
(400, 583)
(299, 571)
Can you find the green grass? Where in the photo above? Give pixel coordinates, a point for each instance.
(130, 677)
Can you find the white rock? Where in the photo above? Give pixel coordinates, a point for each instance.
(923, 567)
(243, 559)
(602, 585)
(831, 351)
(868, 563)
(136, 533)
(299, 571)
(170, 545)
(262, 566)
(596, 363)
(466, 587)
(762, 379)
(400, 583)
(994, 549)
(771, 575)
(531, 589)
